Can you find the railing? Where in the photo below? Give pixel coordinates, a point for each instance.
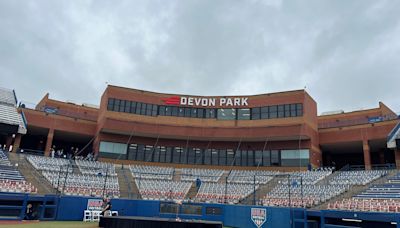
(374, 167)
(359, 121)
(30, 151)
(24, 119)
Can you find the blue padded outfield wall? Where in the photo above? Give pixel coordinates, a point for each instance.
(70, 208)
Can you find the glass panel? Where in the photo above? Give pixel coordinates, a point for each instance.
(143, 109)
(132, 151)
(295, 157)
(127, 106)
(226, 114)
(299, 110)
(258, 158)
(138, 107)
(200, 113)
(110, 105)
(214, 157)
(255, 113)
(188, 112)
(230, 155)
(140, 153)
(116, 105)
(163, 151)
(174, 111)
(243, 114)
(275, 157)
(168, 110)
(176, 158)
(191, 156)
(149, 109)
(122, 106)
(238, 161)
(287, 110)
(207, 157)
(244, 157)
(293, 110)
(265, 113)
(250, 158)
(193, 113)
(222, 157)
(266, 158)
(148, 153)
(156, 157)
(154, 111)
(184, 156)
(281, 111)
(168, 155)
(161, 111)
(199, 156)
(273, 112)
(181, 112)
(133, 107)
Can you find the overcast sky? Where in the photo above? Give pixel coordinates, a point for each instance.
(346, 53)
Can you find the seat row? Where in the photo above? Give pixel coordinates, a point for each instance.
(220, 193)
(95, 168)
(162, 189)
(373, 205)
(357, 177)
(151, 172)
(251, 176)
(205, 175)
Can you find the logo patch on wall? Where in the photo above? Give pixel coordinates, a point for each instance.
(258, 216)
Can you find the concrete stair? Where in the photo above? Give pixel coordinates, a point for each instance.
(31, 174)
(192, 192)
(261, 192)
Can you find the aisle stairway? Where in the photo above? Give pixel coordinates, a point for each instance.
(31, 174)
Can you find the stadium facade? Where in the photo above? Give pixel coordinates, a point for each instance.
(280, 131)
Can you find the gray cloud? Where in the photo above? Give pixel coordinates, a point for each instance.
(345, 52)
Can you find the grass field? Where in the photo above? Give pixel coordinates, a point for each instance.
(36, 224)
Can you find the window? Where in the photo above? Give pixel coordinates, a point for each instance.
(244, 157)
(293, 110)
(168, 111)
(181, 112)
(207, 157)
(238, 154)
(200, 113)
(281, 111)
(299, 109)
(122, 106)
(243, 114)
(161, 112)
(127, 106)
(299, 158)
(156, 154)
(168, 154)
(188, 112)
(116, 105)
(143, 109)
(138, 107)
(132, 152)
(230, 156)
(174, 111)
(275, 160)
(133, 107)
(184, 156)
(210, 113)
(193, 113)
(255, 113)
(149, 109)
(226, 114)
(191, 156)
(112, 150)
(250, 158)
(273, 112)
(214, 157)
(163, 151)
(287, 110)
(154, 111)
(176, 158)
(265, 113)
(199, 156)
(148, 153)
(110, 104)
(140, 153)
(258, 158)
(222, 157)
(266, 158)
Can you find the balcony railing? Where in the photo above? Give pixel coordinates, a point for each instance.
(359, 121)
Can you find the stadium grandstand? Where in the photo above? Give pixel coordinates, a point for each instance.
(259, 159)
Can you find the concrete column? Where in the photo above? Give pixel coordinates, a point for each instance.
(9, 141)
(17, 143)
(49, 142)
(367, 155)
(397, 157)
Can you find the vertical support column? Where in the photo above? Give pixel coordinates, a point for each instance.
(367, 155)
(9, 141)
(315, 156)
(397, 157)
(17, 143)
(49, 142)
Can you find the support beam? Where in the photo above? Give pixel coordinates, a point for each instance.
(49, 142)
(17, 142)
(367, 155)
(397, 157)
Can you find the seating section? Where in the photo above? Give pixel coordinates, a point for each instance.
(90, 182)
(95, 168)
(162, 189)
(307, 178)
(373, 205)
(8, 111)
(219, 193)
(84, 185)
(358, 177)
(302, 196)
(249, 176)
(11, 179)
(205, 175)
(152, 172)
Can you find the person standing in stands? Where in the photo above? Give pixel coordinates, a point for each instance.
(70, 153)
